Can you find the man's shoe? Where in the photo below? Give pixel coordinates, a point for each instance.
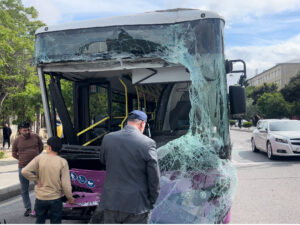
(33, 213)
(27, 212)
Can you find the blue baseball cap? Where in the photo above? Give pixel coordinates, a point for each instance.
(137, 114)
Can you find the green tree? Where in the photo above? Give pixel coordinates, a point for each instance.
(251, 109)
(17, 27)
(32, 94)
(25, 104)
(291, 92)
(258, 91)
(273, 105)
(67, 93)
(249, 90)
(295, 108)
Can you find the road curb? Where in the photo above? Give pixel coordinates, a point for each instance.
(249, 131)
(12, 191)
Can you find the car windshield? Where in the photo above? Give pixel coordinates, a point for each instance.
(285, 126)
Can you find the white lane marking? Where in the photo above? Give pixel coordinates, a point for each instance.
(235, 163)
(251, 163)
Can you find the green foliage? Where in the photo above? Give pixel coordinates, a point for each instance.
(247, 124)
(67, 93)
(19, 92)
(118, 104)
(256, 92)
(273, 105)
(295, 108)
(251, 109)
(291, 92)
(249, 90)
(98, 103)
(266, 100)
(2, 155)
(23, 102)
(231, 122)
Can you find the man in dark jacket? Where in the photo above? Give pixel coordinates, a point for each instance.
(132, 175)
(6, 135)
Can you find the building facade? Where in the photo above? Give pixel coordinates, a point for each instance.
(280, 74)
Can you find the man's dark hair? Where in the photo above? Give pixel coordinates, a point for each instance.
(24, 124)
(55, 143)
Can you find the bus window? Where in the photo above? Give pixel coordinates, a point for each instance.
(118, 104)
(98, 105)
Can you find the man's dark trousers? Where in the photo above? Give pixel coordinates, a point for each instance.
(6, 136)
(43, 206)
(6, 140)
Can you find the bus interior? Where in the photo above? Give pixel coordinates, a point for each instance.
(103, 99)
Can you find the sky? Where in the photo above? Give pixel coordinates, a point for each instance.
(261, 32)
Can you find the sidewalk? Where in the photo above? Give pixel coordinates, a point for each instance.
(243, 129)
(9, 178)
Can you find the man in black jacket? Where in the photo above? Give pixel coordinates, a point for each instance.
(132, 175)
(6, 135)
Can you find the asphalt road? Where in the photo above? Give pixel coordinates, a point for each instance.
(12, 211)
(267, 191)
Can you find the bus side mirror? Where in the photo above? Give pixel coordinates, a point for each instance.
(237, 99)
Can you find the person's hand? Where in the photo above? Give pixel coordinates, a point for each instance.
(38, 183)
(71, 201)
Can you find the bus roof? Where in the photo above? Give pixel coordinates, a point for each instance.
(169, 16)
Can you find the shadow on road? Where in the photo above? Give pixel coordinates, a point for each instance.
(253, 157)
(12, 171)
(279, 158)
(262, 161)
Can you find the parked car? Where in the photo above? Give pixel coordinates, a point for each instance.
(277, 137)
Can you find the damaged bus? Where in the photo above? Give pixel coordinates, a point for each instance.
(171, 65)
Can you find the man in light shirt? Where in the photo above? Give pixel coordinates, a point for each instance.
(51, 172)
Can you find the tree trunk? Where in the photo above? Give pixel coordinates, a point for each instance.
(38, 117)
(3, 96)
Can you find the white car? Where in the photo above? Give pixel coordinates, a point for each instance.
(277, 137)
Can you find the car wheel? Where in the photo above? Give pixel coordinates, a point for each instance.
(269, 151)
(254, 149)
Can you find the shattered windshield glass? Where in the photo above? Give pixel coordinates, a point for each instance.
(122, 41)
(197, 178)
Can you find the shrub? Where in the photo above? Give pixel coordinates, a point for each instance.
(2, 155)
(273, 106)
(231, 122)
(247, 124)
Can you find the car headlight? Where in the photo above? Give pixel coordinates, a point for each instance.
(281, 140)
